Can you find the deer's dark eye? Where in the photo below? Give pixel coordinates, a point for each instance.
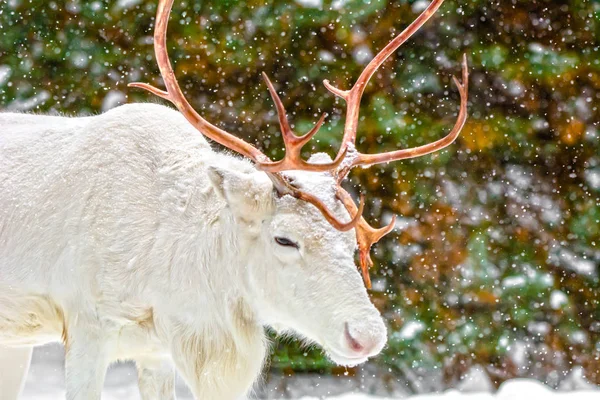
(286, 242)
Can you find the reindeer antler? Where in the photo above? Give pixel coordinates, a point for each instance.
(353, 97)
(293, 144)
(365, 234)
(347, 157)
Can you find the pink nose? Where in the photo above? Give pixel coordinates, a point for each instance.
(362, 342)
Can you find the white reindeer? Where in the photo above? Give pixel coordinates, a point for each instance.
(126, 237)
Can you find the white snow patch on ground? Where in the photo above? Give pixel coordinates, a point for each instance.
(40, 388)
(46, 382)
(517, 389)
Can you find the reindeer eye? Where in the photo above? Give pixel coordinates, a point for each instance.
(286, 242)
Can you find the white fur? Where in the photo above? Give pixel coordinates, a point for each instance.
(125, 236)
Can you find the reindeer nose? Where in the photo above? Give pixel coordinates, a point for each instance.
(365, 339)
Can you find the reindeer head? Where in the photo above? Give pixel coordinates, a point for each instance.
(310, 223)
(300, 270)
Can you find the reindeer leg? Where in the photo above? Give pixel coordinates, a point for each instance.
(156, 378)
(87, 359)
(14, 364)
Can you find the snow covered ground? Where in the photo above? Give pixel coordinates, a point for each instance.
(46, 382)
(513, 390)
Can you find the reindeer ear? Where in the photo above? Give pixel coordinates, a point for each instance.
(246, 193)
(217, 178)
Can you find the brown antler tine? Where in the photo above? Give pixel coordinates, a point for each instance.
(150, 88)
(286, 130)
(293, 143)
(176, 96)
(365, 264)
(336, 223)
(308, 135)
(464, 85)
(288, 134)
(371, 159)
(377, 234)
(338, 92)
(366, 236)
(285, 188)
(354, 95)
